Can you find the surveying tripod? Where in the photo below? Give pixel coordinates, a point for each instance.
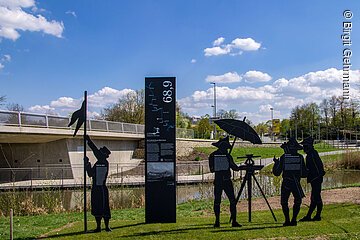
(250, 168)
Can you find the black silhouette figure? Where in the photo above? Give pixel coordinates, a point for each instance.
(220, 162)
(78, 115)
(292, 167)
(315, 178)
(99, 192)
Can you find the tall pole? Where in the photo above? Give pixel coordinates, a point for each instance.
(272, 127)
(11, 224)
(85, 121)
(214, 106)
(296, 131)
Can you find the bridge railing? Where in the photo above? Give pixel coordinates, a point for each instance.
(23, 119)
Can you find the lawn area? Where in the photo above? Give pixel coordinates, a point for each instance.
(340, 221)
(264, 152)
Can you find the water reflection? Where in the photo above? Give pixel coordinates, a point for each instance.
(134, 197)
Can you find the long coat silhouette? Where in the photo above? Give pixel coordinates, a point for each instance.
(292, 167)
(99, 192)
(315, 178)
(220, 162)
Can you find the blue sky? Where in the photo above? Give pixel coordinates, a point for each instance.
(262, 54)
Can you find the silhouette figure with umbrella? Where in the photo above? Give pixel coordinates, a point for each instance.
(240, 129)
(220, 162)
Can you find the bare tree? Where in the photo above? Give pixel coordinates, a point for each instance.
(2, 100)
(333, 109)
(15, 107)
(130, 109)
(325, 110)
(232, 114)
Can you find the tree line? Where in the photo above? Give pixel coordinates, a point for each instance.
(333, 118)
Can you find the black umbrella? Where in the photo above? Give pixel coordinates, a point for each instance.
(239, 129)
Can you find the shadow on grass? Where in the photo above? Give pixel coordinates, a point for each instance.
(172, 231)
(82, 232)
(245, 229)
(205, 226)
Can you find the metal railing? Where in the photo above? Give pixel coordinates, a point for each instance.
(22, 119)
(62, 175)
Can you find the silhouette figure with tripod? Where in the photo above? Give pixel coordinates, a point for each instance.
(250, 168)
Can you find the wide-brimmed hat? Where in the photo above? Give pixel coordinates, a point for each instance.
(293, 144)
(105, 150)
(223, 143)
(309, 141)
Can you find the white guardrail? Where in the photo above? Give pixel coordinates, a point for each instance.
(24, 119)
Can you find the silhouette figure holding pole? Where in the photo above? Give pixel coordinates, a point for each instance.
(315, 178)
(220, 162)
(99, 192)
(292, 167)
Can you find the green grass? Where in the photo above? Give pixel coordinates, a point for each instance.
(194, 221)
(264, 152)
(331, 158)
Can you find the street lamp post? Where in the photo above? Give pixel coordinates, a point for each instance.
(296, 130)
(272, 124)
(214, 106)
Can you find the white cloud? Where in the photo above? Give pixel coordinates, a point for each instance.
(287, 103)
(314, 85)
(193, 60)
(94, 115)
(265, 108)
(42, 109)
(232, 94)
(106, 96)
(282, 94)
(12, 4)
(229, 77)
(69, 12)
(236, 47)
(245, 44)
(256, 76)
(13, 18)
(218, 41)
(96, 102)
(65, 102)
(6, 58)
(215, 51)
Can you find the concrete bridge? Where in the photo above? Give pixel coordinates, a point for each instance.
(30, 144)
(29, 141)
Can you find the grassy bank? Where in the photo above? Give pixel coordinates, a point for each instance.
(348, 160)
(340, 221)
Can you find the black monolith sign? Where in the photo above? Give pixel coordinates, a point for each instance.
(160, 150)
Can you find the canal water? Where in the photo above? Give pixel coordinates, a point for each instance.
(134, 197)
